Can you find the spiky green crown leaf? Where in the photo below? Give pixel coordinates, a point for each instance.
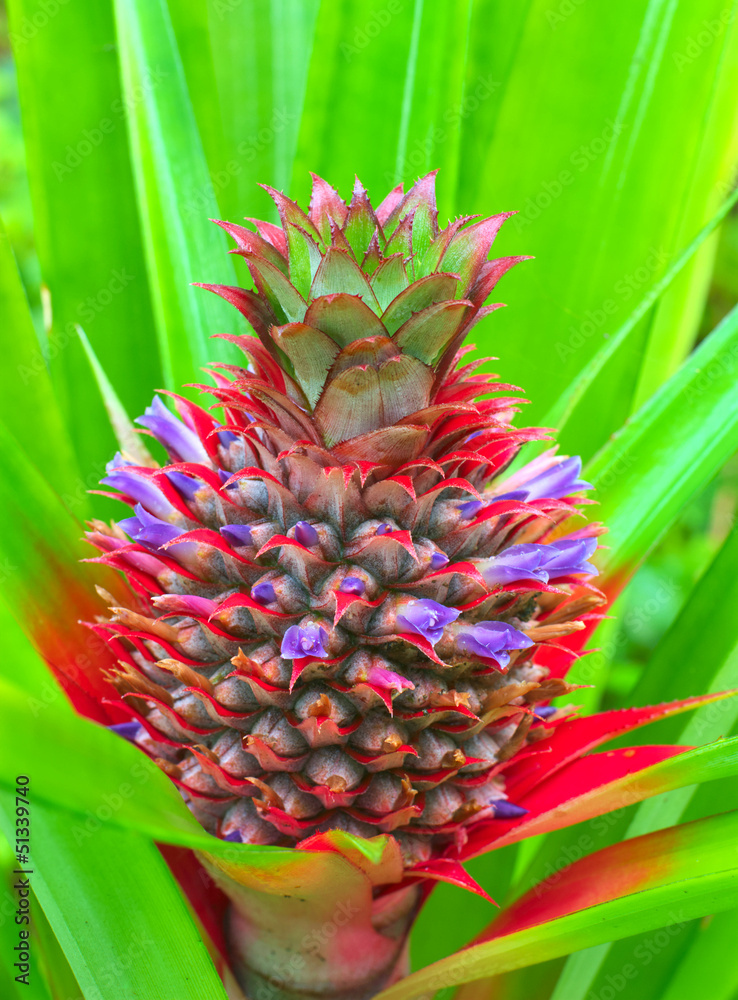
(365, 310)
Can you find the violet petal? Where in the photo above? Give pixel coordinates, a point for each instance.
(518, 562)
(438, 560)
(470, 509)
(263, 593)
(569, 556)
(227, 438)
(427, 618)
(172, 433)
(545, 711)
(237, 534)
(143, 491)
(148, 530)
(304, 640)
(492, 641)
(508, 810)
(306, 534)
(127, 730)
(560, 480)
(185, 485)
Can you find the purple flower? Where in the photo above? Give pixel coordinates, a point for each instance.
(513, 495)
(545, 711)
(117, 462)
(565, 557)
(470, 509)
(185, 485)
(491, 641)
(172, 433)
(227, 438)
(569, 556)
(560, 480)
(508, 810)
(306, 534)
(139, 488)
(263, 593)
(304, 640)
(127, 730)
(384, 529)
(352, 585)
(427, 618)
(388, 679)
(148, 530)
(234, 837)
(438, 560)
(224, 477)
(519, 562)
(237, 534)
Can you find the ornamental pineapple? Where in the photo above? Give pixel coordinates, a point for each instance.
(337, 597)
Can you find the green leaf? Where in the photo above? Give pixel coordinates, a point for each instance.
(175, 194)
(668, 450)
(715, 669)
(561, 413)
(262, 51)
(86, 229)
(666, 878)
(713, 944)
(607, 194)
(135, 939)
(36, 574)
(713, 599)
(125, 433)
(56, 969)
(90, 763)
(28, 405)
(9, 938)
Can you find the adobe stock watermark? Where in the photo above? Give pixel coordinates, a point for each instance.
(696, 44)
(30, 25)
(721, 365)
(224, 7)
(484, 87)
(635, 619)
(562, 12)
(376, 23)
(623, 290)
(88, 311)
(615, 983)
(580, 159)
(247, 151)
(110, 803)
(91, 138)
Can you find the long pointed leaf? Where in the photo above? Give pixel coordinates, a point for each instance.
(113, 938)
(664, 879)
(170, 171)
(86, 230)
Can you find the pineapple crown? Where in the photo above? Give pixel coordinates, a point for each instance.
(364, 312)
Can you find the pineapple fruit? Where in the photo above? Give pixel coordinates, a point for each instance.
(337, 593)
